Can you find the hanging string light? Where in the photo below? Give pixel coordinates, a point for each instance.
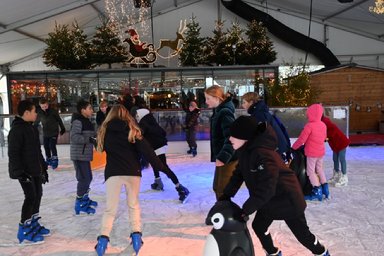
(126, 15)
(378, 8)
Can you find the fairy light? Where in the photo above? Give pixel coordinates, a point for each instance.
(126, 15)
(378, 8)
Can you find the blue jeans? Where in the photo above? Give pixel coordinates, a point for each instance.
(339, 157)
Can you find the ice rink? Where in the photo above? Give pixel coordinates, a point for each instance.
(351, 223)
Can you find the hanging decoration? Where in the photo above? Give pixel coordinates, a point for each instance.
(378, 8)
(134, 15)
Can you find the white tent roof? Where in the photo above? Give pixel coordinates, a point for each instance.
(25, 24)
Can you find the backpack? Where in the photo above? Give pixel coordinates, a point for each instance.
(282, 136)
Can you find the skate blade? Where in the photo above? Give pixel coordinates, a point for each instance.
(83, 214)
(185, 199)
(28, 243)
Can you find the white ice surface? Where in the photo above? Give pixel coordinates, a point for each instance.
(351, 223)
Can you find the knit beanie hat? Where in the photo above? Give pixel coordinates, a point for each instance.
(244, 128)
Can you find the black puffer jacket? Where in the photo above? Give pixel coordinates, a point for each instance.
(221, 120)
(123, 156)
(24, 151)
(152, 131)
(273, 188)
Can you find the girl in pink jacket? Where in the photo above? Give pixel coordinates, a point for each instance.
(313, 137)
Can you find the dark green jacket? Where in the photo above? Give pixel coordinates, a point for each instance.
(221, 120)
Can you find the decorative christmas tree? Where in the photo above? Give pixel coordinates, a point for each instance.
(107, 47)
(259, 48)
(235, 46)
(67, 49)
(192, 51)
(216, 44)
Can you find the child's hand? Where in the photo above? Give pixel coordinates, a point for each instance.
(44, 177)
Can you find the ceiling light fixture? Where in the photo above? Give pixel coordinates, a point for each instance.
(378, 8)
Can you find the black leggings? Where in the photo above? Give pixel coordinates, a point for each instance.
(33, 191)
(170, 174)
(297, 225)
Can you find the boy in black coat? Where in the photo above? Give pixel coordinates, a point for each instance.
(191, 121)
(51, 121)
(26, 163)
(274, 190)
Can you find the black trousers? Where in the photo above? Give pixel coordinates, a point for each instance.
(190, 135)
(83, 175)
(170, 174)
(50, 146)
(298, 226)
(33, 191)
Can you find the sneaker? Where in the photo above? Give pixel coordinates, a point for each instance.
(158, 184)
(343, 181)
(136, 242)
(102, 244)
(27, 234)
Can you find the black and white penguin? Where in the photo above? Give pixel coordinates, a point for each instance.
(230, 235)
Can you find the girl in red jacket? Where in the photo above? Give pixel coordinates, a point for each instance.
(338, 143)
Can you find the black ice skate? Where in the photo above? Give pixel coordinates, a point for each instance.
(183, 193)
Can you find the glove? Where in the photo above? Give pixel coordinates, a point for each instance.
(93, 140)
(62, 131)
(44, 177)
(25, 178)
(245, 217)
(224, 197)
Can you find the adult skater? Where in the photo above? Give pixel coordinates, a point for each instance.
(156, 136)
(81, 151)
(26, 163)
(274, 190)
(222, 152)
(121, 139)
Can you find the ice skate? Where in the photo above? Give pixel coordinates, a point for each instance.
(27, 234)
(41, 230)
(102, 244)
(183, 193)
(343, 181)
(158, 184)
(54, 162)
(189, 151)
(325, 190)
(193, 152)
(326, 253)
(278, 253)
(136, 242)
(82, 206)
(91, 202)
(316, 194)
(335, 178)
(48, 162)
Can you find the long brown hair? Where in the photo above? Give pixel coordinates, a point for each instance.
(119, 112)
